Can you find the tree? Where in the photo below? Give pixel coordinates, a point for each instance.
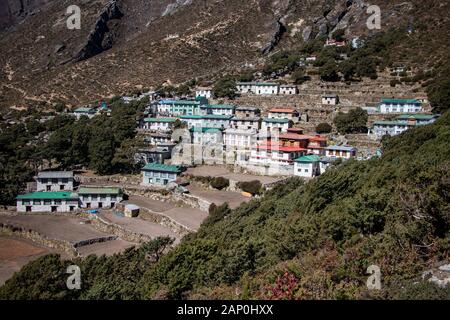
(323, 128)
(298, 76)
(253, 187)
(339, 35)
(329, 71)
(220, 183)
(154, 249)
(101, 150)
(225, 88)
(348, 69)
(124, 160)
(355, 121)
(438, 90)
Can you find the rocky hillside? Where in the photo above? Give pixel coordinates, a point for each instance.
(128, 44)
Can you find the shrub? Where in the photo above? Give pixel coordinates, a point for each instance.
(355, 121)
(225, 87)
(254, 187)
(393, 83)
(220, 183)
(324, 128)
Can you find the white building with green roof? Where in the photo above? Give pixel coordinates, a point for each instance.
(207, 121)
(400, 106)
(174, 108)
(307, 166)
(59, 201)
(204, 136)
(99, 197)
(160, 175)
(400, 124)
(158, 124)
(218, 109)
(84, 111)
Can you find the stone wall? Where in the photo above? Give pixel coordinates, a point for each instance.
(18, 231)
(171, 197)
(109, 180)
(276, 171)
(109, 227)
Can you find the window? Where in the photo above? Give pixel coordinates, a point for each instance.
(57, 202)
(65, 180)
(36, 202)
(102, 197)
(44, 181)
(113, 198)
(25, 202)
(47, 201)
(54, 181)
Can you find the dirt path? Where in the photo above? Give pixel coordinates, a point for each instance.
(16, 252)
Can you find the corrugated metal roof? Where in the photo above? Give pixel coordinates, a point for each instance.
(341, 148)
(165, 120)
(99, 190)
(55, 174)
(310, 158)
(48, 195)
(162, 168)
(400, 101)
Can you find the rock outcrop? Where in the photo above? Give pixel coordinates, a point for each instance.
(103, 35)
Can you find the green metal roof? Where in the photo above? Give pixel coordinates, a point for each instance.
(203, 130)
(306, 159)
(170, 120)
(180, 102)
(218, 106)
(217, 117)
(274, 120)
(191, 117)
(99, 190)
(416, 116)
(400, 101)
(162, 168)
(48, 195)
(266, 84)
(208, 117)
(391, 123)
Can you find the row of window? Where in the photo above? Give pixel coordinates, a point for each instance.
(160, 175)
(48, 202)
(95, 197)
(53, 181)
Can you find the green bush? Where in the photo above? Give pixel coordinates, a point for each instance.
(220, 183)
(225, 88)
(355, 121)
(323, 128)
(253, 187)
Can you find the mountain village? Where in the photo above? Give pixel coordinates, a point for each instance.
(200, 152)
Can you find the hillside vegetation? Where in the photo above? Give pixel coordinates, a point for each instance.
(298, 241)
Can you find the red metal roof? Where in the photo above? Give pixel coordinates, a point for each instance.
(318, 138)
(278, 147)
(280, 110)
(294, 136)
